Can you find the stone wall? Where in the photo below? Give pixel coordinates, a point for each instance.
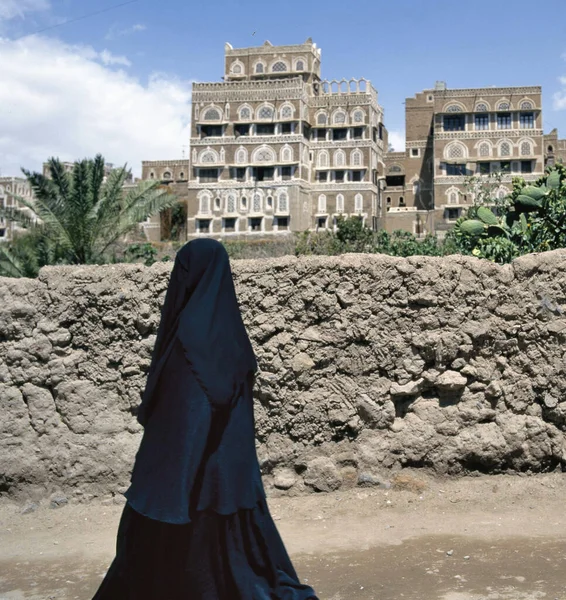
(368, 364)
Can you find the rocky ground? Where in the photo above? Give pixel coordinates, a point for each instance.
(489, 537)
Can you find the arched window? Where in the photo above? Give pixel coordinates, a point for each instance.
(245, 113)
(286, 154)
(358, 203)
(181, 175)
(244, 203)
(358, 116)
(264, 155)
(454, 108)
(283, 202)
(526, 149)
(388, 201)
(231, 203)
(505, 149)
(484, 149)
(279, 67)
(204, 204)
(481, 107)
(550, 149)
(356, 158)
(212, 114)
(269, 202)
(241, 156)
(503, 106)
(321, 119)
(453, 197)
(339, 158)
(167, 175)
(217, 204)
(323, 158)
(340, 203)
(265, 112)
(526, 105)
(322, 204)
(152, 175)
(339, 117)
(237, 69)
(208, 156)
(300, 66)
(287, 112)
(259, 68)
(456, 151)
(256, 202)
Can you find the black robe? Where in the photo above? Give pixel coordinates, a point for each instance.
(196, 524)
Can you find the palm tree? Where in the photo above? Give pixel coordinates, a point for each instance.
(80, 214)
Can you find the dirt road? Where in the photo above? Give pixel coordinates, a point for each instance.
(492, 538)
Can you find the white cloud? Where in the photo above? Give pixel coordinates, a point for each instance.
(58, 100)
(397, 140)
(9, 9)
(114, 32)
(559, 98)
(108, 58)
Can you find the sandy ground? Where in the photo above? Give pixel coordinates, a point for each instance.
(489, 537)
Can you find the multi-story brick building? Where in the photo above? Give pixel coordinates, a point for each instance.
(276, 149)
(452, 134)
(9, 186)
(555, 149)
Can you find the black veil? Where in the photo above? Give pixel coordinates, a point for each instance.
(201, 311)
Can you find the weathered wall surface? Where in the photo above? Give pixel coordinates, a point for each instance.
(368, 363)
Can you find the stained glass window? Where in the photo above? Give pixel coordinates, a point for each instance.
(208, 157)
(527, 105)
(526, 149)
(264, 155)
(245, 114)
(300, 65)
(505, 149)
(340, 117)
(453, 108)
(287, 112)
(358, 116)
(279, 67)
(265, 112)
(212, 114)
(504, 106)
(259, 68)
(321, 119)
(481, 107)
(237, 69)
(484, 150)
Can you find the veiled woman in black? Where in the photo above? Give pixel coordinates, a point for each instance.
(196, 525)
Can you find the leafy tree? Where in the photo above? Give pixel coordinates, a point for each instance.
(78, 215)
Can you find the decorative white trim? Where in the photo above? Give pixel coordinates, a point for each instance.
(323, 159)
(481, 143)
(263, 148)
(453, 145)
(234, 65)
(454, 105)
(209, 108)
(261, 107)
(276, 61)
(287, 105)
(508, 106)
(339, 111)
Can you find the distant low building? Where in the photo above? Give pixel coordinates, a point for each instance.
(8, 186)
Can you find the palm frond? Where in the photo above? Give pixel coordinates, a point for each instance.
(10, 265)
(61, 179)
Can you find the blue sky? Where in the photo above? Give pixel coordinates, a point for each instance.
(403, 46)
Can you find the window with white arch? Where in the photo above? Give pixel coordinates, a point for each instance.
(339, 158)
(321, 119)
(208, 157)
(453, 197)
(526, 148)
(356, 158)
(212, 114)
(358, 203)
(340, 203)
(265, 112)
(256, 202)
(503, 106)
(481, 107)
(283, 202)
(358, 116)
(237, 68)
(322, 158)
(260, 68)
(505, 149)
(167, 175)
(241, 156)
(287, 112)
(204, 204)
(287, 154)
(300, 66)
(339, 117)
(231, 203)
(484, 149)
(322, 204)
(245, 113)
(264, 155)
(454, 108)
(279, 67)
(526, 105)
(455, 151)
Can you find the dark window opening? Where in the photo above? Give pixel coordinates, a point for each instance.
(550, 149)
(282, 222)
(452, 214)
(380, 130)
(322, 176)
(527, 120)
(414, 152)
(526, 166)
(339, 176)
(203, 225)
(455, 169)
(255, 223)
(321, 223)
(401, 201)
(395, 180)
(358, 133)
(505, 167)
(374, 134)
(319, 134)
(286, 173)
(264, 173)
(208, 175)
(265, 129)
(239, 174)
(211, 131)
(454, 123)
(242, 129)
(357, 175)
(286, 128)
(339, 134)
(306, 131)
(229, 225)
(484, 168)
